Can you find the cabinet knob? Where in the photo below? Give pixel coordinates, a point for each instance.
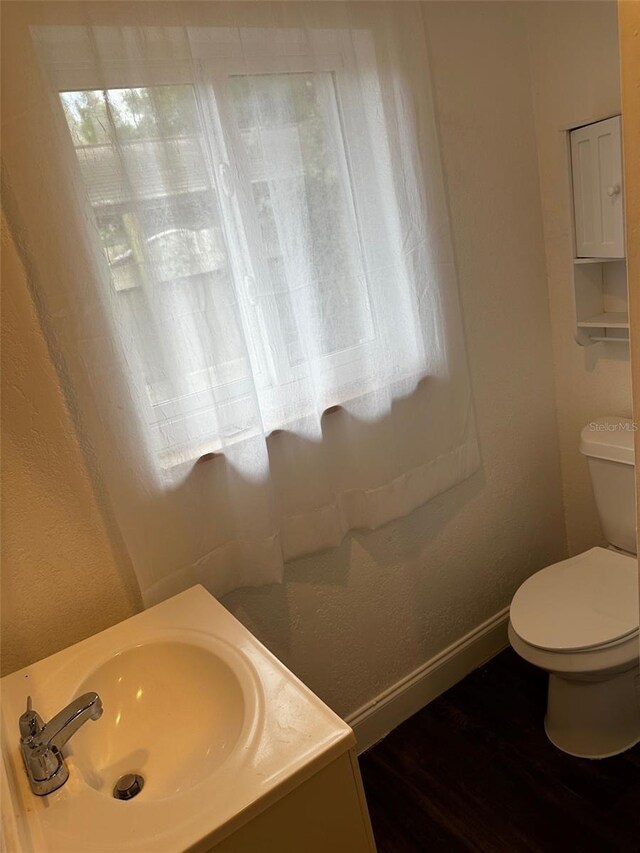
(614, 190)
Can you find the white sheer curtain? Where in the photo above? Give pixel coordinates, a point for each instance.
(235, 224)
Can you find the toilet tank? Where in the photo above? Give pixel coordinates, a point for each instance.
(608, 445)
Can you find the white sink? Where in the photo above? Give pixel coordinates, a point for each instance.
(217, 728)
(191, 690)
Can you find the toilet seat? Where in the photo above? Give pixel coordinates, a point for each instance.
(586, 602)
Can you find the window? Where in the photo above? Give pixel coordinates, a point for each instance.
(230, 199)
(180, 240)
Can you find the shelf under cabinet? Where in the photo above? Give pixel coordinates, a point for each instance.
(608, 320)
(596, 260)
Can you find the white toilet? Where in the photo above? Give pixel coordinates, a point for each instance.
(578, 619)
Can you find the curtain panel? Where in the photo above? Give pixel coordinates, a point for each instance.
(235, 226)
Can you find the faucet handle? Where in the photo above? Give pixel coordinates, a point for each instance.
(30, 722)
(45, 764)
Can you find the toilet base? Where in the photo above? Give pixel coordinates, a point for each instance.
(594, 718)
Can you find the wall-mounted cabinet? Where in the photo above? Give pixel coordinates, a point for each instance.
(596, 158)
(599, 268)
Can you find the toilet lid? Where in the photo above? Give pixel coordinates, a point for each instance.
(583, 602)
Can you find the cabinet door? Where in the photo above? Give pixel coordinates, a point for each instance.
(597, 189)
(326, 814)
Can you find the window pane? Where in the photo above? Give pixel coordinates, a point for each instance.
(292, 139)
(142, 156)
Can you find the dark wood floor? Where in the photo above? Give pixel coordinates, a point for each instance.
(475, 771)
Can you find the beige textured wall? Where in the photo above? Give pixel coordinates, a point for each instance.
(352, 621)
(60, 577)
(575, 80)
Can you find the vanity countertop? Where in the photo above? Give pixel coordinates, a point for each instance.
(225, 732)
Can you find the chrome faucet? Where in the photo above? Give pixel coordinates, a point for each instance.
(41, 744)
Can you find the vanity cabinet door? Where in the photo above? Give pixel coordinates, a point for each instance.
(326, 814)
(596, 160)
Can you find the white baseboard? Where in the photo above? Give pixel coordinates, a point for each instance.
(397, 703)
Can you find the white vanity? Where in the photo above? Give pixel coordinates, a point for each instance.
(233, 752)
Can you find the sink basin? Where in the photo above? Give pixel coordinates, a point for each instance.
(216, 726)
(174, 712)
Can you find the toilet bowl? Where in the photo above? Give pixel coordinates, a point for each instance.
(578, 619)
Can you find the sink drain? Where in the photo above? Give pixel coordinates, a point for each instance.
(128, 786)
